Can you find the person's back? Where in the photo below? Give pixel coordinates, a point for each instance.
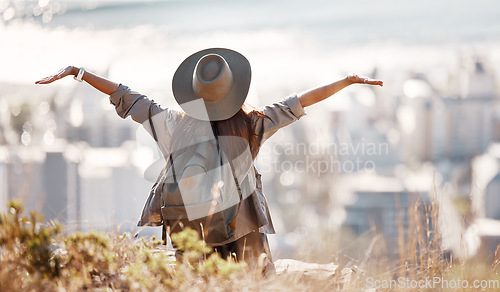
(211, 87)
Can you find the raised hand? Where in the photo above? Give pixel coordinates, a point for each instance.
(70, 70)
(354, 78)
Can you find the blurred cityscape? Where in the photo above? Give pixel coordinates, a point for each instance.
(357, 161)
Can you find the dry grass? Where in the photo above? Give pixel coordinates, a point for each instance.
(38, 257)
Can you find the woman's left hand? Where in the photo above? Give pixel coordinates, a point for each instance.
(354, 78)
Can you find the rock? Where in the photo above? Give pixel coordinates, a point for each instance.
(290, 266)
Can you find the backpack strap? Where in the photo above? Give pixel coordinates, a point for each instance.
(154, 132)
(151, 120)
(164, 170)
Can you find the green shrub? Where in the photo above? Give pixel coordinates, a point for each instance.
(26, 248)
(38, 256)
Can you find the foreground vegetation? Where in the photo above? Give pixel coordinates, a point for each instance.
(36, 256)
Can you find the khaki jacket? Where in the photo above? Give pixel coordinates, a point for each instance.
(169, 124)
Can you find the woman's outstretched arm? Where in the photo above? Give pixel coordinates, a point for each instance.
(126, 102)
(100, 83)
(312, 96)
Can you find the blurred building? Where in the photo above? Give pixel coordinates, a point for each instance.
(435, 126)
(43, 181)
(492, 175)
(113, 190)
(60, 196)
(3, 181)
(492, 200)
(379, 211)
(381, 204)
(90, 117)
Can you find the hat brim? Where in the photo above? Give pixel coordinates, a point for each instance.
(225, 108)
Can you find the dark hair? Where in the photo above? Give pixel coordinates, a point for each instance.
(242, 124)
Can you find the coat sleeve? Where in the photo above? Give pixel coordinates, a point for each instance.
(131, 103)
(278, 115)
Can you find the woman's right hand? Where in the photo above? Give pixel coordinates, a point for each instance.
(70, 70)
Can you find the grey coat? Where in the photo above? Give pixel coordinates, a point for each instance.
(169, 123)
